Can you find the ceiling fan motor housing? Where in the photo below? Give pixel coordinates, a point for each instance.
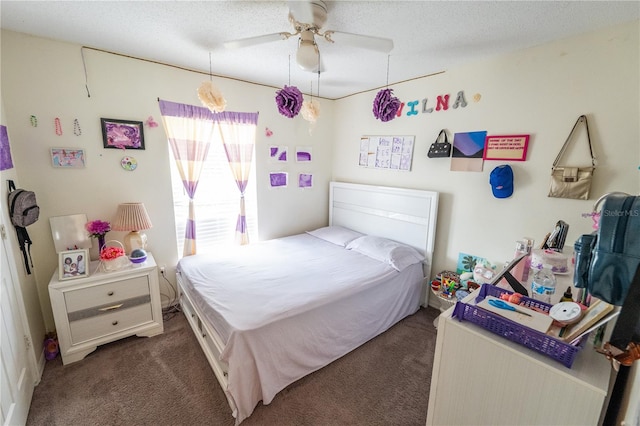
(307, 15)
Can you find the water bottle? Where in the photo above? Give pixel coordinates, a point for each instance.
(543, 285)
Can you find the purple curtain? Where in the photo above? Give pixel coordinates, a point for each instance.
(189, 131)
(238, 133)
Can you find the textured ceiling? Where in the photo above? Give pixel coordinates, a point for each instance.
(429, 36)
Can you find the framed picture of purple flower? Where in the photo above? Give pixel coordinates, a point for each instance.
(122, 134)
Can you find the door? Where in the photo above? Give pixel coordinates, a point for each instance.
(16, 376)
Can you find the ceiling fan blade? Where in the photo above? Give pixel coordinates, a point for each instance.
(378, 44)
(252, 41)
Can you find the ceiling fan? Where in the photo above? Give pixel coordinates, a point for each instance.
(307, 19)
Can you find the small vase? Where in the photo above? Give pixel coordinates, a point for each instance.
(100, 243)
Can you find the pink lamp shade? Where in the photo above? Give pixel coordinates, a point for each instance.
(132, 217)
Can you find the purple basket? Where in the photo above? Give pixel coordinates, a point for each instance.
(540, 342)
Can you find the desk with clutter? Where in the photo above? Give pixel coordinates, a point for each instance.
(554, 283)
(496, 332)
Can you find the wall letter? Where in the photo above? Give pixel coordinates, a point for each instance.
(399, 113)
(459, 100)
(412, 105)
(442, 103)
(424, 107)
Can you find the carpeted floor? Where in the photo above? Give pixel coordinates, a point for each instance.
(166, 380)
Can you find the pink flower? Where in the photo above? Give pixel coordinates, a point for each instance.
(97, 228)
(110, 253)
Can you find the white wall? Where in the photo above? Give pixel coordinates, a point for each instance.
(46, 78)
(28, 287)
(540, 91)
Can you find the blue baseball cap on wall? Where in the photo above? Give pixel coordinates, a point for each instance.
(501, 180)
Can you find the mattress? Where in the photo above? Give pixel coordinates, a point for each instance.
(287, 307)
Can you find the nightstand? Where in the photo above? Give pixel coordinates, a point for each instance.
(105, 306)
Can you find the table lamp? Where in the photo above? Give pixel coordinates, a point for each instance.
(132, 217)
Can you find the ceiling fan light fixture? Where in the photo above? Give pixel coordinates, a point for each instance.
(308, 55)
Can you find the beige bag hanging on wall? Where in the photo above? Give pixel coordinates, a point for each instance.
(572, 182)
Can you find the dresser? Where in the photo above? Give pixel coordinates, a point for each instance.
(104, 307)
(480, 378)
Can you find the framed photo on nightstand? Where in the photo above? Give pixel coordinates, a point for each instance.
(73, 264)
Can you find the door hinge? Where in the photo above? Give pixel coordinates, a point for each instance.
(27, 342)
(3, 232)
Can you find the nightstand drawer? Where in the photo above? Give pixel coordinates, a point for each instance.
(105, 294)
(103, 325)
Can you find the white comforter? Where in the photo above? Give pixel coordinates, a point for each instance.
(290, 306)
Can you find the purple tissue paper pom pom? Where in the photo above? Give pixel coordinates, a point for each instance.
(385, 105)
(289, 101)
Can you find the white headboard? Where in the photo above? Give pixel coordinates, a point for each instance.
(404, 215)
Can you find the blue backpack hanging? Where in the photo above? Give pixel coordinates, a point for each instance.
(606, 261)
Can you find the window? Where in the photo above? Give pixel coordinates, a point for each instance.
(217, 203)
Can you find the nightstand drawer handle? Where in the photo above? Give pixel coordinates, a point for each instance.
(110, 308)
(114, 323)
(110, 293)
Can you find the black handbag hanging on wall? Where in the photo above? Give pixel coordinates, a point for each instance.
(440, 149)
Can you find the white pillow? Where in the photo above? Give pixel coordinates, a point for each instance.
(396, 254)
(335, 234)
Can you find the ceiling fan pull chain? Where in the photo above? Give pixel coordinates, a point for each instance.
(388, 60)
(210, 70)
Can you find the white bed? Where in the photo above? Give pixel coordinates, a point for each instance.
(297, 303)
